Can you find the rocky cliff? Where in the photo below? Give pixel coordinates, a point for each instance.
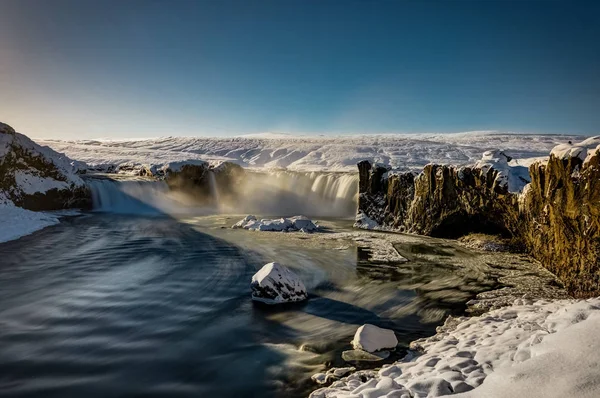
(36, 177)
(556, 218)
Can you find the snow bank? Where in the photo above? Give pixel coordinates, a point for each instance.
(296, 223)
(16, 222)
(276, 284)
(533, 349)
(372, 338)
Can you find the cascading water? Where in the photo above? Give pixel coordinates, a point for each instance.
(132, 196)
(273, 193)
(289, 193)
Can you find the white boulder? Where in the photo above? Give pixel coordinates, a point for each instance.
(371, 338)
(276, 284)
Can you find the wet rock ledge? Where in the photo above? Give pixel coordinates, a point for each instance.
(556, 217)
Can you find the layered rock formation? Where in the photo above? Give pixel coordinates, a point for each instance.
(556, 218)
(36, 177)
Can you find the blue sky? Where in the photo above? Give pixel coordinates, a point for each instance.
(83, 69)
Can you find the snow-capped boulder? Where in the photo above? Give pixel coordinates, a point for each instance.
(36, 177)
(372, 338)
(276, 284)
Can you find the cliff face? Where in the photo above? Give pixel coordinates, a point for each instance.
(36, 177)
(556, 218)
(561, 219)
(442, 201)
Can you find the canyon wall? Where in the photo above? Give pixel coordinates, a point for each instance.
(556, 218)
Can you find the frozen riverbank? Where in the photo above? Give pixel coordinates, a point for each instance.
(533, 349)
(16, 222)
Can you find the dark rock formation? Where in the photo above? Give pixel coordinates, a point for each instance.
(442, 201)
(556, 218)
(206, 182)
(36, 177)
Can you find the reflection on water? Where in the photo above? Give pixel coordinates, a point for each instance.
(107, 305)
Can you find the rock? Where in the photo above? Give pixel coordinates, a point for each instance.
(292, 224)
(372, 338)
(360, 357)
(36, 177)
(276, 284)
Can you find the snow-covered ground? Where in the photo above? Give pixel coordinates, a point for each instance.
(531, 349)
(400, 151)
(16, 221)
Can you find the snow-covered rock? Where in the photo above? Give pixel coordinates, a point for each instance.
(276, 284)
(363, 221)
(296, 223)
(36, 177)
(372, 338)
(510, 174)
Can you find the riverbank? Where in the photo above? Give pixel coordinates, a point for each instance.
(531, 348)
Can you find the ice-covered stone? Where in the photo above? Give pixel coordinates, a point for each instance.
(292, 224)
(276, 284)
(372, 338)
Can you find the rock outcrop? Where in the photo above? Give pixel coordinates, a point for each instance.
(208, 183)
(556, 218)
(560, 213)
(36, 177)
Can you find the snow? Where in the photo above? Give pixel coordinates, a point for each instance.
(296, 223)
(581, 150)
(399, 151)
(567, 151)
(16, 222)
(533, 349)
(512, 175)
(276, 284)
(363, 221)
(372, 338)
(30, 183)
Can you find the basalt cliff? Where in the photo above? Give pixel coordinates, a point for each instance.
(552, 212)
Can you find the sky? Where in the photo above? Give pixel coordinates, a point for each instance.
(78, 69)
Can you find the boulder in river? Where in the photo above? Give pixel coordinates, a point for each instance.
(372, 338)
(276, 284)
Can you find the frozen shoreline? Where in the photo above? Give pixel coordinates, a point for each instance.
(16, 222)
(535, 349)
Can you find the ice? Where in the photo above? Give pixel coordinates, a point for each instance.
(372, 338)
(533, 349)
(276, 284)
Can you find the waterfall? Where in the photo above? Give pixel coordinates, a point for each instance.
(288, 193)
(133, 196)
(213, 186)
(273, 193)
